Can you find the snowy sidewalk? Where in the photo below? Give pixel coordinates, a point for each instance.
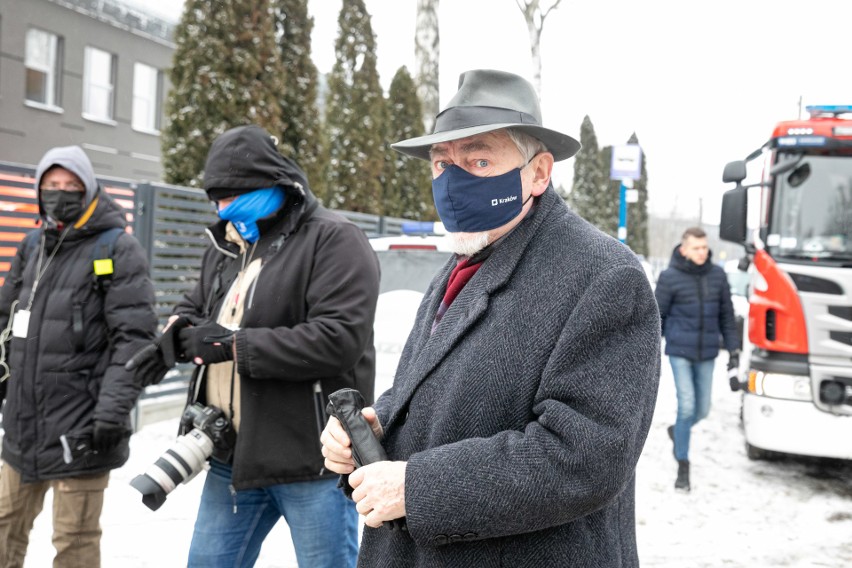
(792, 513)
(136, 537)
(740, 513)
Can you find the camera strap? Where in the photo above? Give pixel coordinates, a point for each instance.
(226, 272)
(227, 269)
(231, 398)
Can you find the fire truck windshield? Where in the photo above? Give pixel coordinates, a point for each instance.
(811, 210)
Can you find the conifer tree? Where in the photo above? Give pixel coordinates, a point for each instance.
(355, 116)
(588, 176)
(637, 213)
(226, 72)
(408, 181)
(301, 136)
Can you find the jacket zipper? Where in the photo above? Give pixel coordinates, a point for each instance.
(250, 295)
(699, 281)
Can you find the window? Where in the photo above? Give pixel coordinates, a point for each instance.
(42, 67)
(98, 84)
(146, 98)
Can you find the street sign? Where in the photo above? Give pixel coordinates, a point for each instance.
(626, 162)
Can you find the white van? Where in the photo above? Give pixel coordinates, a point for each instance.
(408, 264)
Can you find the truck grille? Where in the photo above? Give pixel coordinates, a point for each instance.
(843, 312)
(841, 336)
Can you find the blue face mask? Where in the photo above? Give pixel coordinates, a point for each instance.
(471, 204)
(248, 208)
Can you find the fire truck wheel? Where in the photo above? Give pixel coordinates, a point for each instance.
(755, 453)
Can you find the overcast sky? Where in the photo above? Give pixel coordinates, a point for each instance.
(701, 83)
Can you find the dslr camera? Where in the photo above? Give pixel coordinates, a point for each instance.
(210, 434)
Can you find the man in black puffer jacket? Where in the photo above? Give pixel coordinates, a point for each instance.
(281, 317)
(80, 303)
(695, 307)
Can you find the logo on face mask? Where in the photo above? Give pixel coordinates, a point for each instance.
(495, 202)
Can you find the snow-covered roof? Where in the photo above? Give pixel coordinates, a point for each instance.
(125, 16)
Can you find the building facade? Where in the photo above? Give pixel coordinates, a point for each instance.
(87, 72)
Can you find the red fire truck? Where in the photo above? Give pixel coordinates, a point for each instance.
(796, 368)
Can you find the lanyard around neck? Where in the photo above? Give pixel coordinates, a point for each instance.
(40, 270)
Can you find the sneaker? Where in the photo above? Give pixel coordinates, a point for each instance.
(682, 481)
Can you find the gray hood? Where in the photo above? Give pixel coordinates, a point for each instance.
(73, 159)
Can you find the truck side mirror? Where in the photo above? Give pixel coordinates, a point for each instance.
(734, 172)
(734, 210)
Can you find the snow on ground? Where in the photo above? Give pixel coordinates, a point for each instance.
(796, 512)
(740, 513)
(136, 537)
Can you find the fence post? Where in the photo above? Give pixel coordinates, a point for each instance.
(143, 221)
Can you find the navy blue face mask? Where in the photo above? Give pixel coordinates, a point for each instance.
(471, 204)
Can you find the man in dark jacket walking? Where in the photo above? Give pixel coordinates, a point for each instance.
(76, 304)
(695, 307)
(526, 389)
(281, 317)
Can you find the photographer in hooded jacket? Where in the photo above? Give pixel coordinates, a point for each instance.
(76, 304)
(281, 317)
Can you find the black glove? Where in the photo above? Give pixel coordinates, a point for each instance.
(206, 344)
(346, 405)
(733, 371)
(733, 360)
(152, 362)
(107, 435)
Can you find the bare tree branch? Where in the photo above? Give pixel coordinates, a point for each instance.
(535, 17)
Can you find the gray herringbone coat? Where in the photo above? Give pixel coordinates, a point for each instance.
(523, 416)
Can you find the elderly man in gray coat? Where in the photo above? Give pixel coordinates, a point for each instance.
(526, 388)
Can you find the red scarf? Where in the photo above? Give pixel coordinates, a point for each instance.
(460, 276)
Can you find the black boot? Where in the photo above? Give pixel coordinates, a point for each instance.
(682, 481)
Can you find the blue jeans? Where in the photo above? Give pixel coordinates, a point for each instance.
(230, 528)
(694, 383)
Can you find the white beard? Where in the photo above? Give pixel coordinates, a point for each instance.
(467, 244)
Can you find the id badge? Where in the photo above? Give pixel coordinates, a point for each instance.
(21, 324)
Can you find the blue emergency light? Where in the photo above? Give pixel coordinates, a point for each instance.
(422, 228)
(832, 110)
(791, 141)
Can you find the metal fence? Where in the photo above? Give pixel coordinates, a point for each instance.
(169, 222)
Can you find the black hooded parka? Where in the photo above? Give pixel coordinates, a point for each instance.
(69, 370)
(307, 328)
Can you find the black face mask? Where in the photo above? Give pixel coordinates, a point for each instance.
(64, 206)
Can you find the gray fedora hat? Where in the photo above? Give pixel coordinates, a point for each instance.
(489, 100)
